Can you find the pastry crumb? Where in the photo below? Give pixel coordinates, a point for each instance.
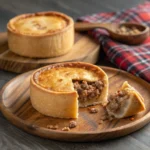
(54, 127)
(101, 122)
(66, 129)
(93, 110)
(132, 118)
(104, 118)
(72, 124)
(110, 118)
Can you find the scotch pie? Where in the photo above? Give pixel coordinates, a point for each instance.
(41, 35)
(59, 90)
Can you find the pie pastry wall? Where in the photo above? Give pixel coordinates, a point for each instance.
(52, 44)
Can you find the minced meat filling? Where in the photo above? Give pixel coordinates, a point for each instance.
(116, 99)
(88, 90)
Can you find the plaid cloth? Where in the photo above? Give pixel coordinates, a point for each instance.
(133, 59)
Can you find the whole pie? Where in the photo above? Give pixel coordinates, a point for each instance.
(43, 34)
(125, 102)
(59, 90)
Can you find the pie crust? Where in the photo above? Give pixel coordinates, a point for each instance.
(131, 105)
(52, 92)
(41, 35)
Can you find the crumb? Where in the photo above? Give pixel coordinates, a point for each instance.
(104, 118)
(132, 118)
(66, 129)
(101, 122)
(72, 124)
(93, 110)
(54, 127)
(49, 126)
(110, 118)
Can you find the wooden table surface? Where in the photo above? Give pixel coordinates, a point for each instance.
(12, 138)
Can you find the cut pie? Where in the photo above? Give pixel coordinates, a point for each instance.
(58, 90)
(125, 102)
(43, 34)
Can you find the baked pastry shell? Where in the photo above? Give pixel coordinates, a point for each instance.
(137, 103)
(60, 98)
(133, 105)
(55, 43)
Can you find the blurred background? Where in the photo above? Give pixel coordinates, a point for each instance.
(74, 8)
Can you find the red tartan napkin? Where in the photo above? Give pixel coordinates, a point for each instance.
(134, 59)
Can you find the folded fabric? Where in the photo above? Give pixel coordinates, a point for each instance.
(133, 59)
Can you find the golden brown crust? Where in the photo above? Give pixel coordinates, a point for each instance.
(137, 101)
(50, 44)
(87, 66)
(66, 96)
(137, 105)
(11, 28)
(49, 103)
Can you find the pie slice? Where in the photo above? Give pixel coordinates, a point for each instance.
(41, 35)
(59, 90)
(125, 102)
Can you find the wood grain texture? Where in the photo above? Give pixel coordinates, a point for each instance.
(84, 49)
(12, 137)
(16, 107)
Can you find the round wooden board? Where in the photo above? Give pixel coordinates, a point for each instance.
(85, 49)
(16, 107)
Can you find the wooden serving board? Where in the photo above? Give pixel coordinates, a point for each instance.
(16, 107)
(85, 49)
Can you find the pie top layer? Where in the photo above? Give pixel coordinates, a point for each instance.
(39, 24)
(60, 79)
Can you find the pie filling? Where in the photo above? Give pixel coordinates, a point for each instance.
(88, 90)
(39, 24)
(87, 84)
(61, 79)
(116, 100)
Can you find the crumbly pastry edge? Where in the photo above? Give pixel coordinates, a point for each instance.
(135, 102)
(84, 65)
(102, 99)
(10, 26)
